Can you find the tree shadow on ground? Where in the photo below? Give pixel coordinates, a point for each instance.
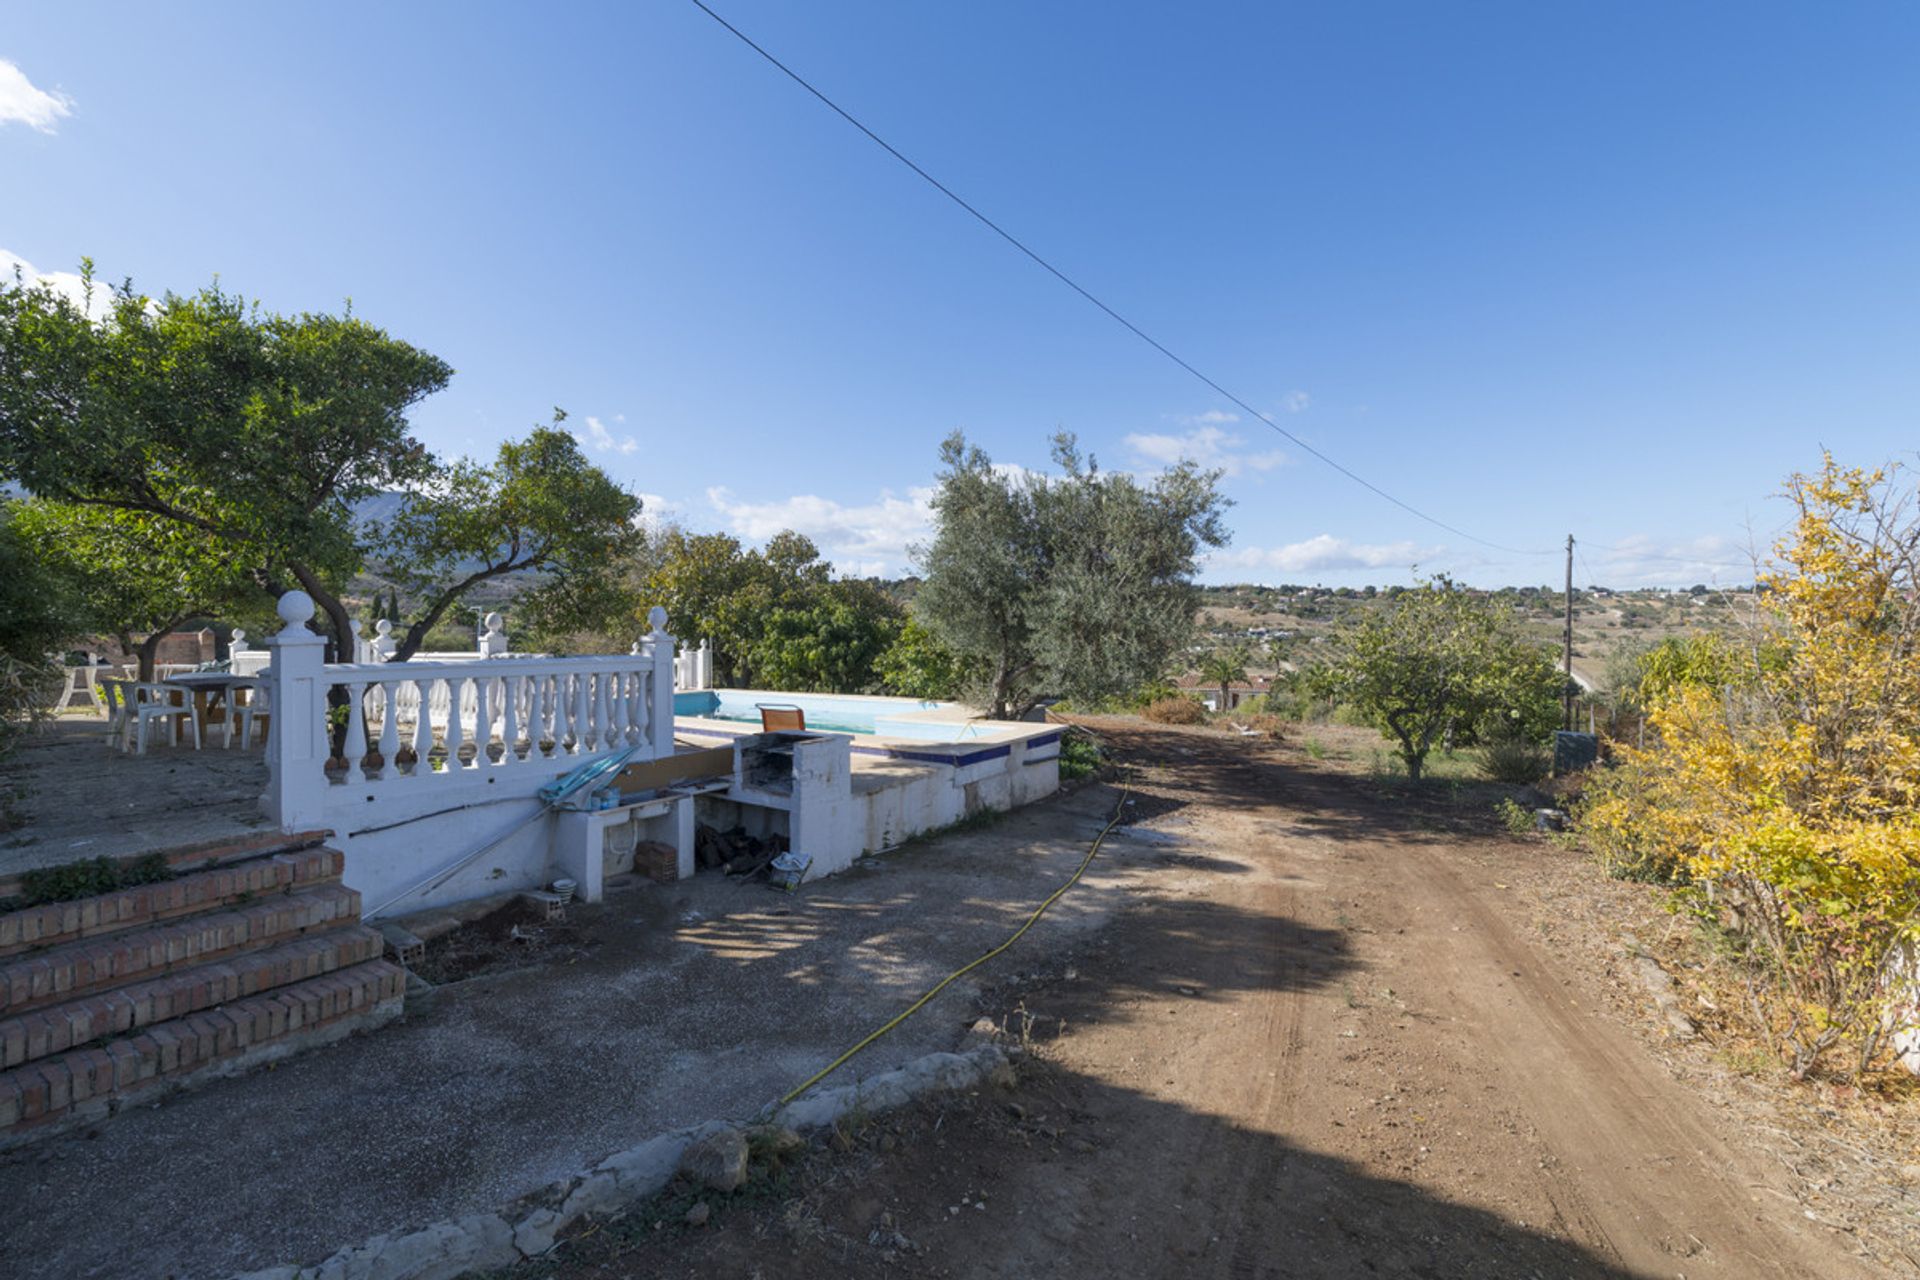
(1169, 769)
(1077, 1178)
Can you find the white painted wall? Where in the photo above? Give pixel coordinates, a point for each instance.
(533, 720)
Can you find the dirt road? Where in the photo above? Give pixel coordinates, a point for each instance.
(1326, 1043)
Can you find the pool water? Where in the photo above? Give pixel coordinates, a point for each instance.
(828, 713)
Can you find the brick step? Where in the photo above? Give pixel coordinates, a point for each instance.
(82, 1020)
(87, 1084)
(56, 923)
(202, 855)
(42, 978)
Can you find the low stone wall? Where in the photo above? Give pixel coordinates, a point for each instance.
(529, 1227)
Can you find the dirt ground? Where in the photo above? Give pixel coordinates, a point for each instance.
(1366, 1034)
(65, 794)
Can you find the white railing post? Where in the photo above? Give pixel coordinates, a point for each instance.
(493, 641)
(297, 728)
(660, 692)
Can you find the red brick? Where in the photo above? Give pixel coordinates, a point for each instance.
(167, 1040)
(99, 1066)
(13, 1042)
(126, 1064)
(119, 1010)
(59, 1084)
(33, 1093)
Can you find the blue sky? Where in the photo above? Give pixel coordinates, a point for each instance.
(1612, 270)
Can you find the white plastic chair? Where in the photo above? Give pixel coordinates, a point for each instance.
(155, 702)
(257, 707)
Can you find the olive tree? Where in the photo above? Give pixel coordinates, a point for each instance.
(1078, 584)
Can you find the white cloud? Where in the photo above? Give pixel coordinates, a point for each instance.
(1644, 559)
(1207, 442)
(871, 538)
(1296, 402)
(1323, 553)
(598, 437)
(656, 509)
(21, 102)
(68, 283)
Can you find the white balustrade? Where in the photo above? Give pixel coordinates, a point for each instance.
(421, 724)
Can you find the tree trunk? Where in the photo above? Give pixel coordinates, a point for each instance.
(148, 649)
(336, 645)
(336, 613)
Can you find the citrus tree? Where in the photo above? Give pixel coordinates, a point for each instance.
(1443, 664)
(251, 439)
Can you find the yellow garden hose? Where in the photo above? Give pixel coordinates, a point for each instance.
(1118, 808)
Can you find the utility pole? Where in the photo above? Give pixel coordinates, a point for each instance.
(1568, 660)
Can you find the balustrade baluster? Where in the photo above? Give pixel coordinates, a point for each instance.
(456, 732)
(562, 705)
(510, 727)
(582, 729)
(389, 730)
(603, 708)
(482, 724)
(355, 747)
(423, 728)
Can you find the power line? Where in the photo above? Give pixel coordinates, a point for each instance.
(1067, 280)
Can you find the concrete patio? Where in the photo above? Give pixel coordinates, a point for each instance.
(703, 998)
(75, 797)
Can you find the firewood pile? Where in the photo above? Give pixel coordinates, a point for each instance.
(735, 852)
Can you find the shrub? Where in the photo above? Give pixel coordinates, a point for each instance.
(1514, 759)
(1266, 723)
(1080, 756)
(1781, 784)
(1517, 818)
(86, 879)
(1175, 710)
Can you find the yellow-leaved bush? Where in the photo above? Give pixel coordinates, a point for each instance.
(1781, 793)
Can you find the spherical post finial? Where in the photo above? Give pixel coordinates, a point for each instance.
(383, 628)
(295, 608)
(495, 622)
(657, 618)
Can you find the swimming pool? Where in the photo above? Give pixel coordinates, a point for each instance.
(914, 718)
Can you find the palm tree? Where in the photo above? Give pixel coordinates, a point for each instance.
(1225, 667)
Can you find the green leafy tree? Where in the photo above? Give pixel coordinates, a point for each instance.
(136, 576)
(1225, 667)
(829, 644)
(775, 616)
(40, 614)
(261, 432)
(1443, 664)
(918, 665)
(1078, 585)
(541, 509)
